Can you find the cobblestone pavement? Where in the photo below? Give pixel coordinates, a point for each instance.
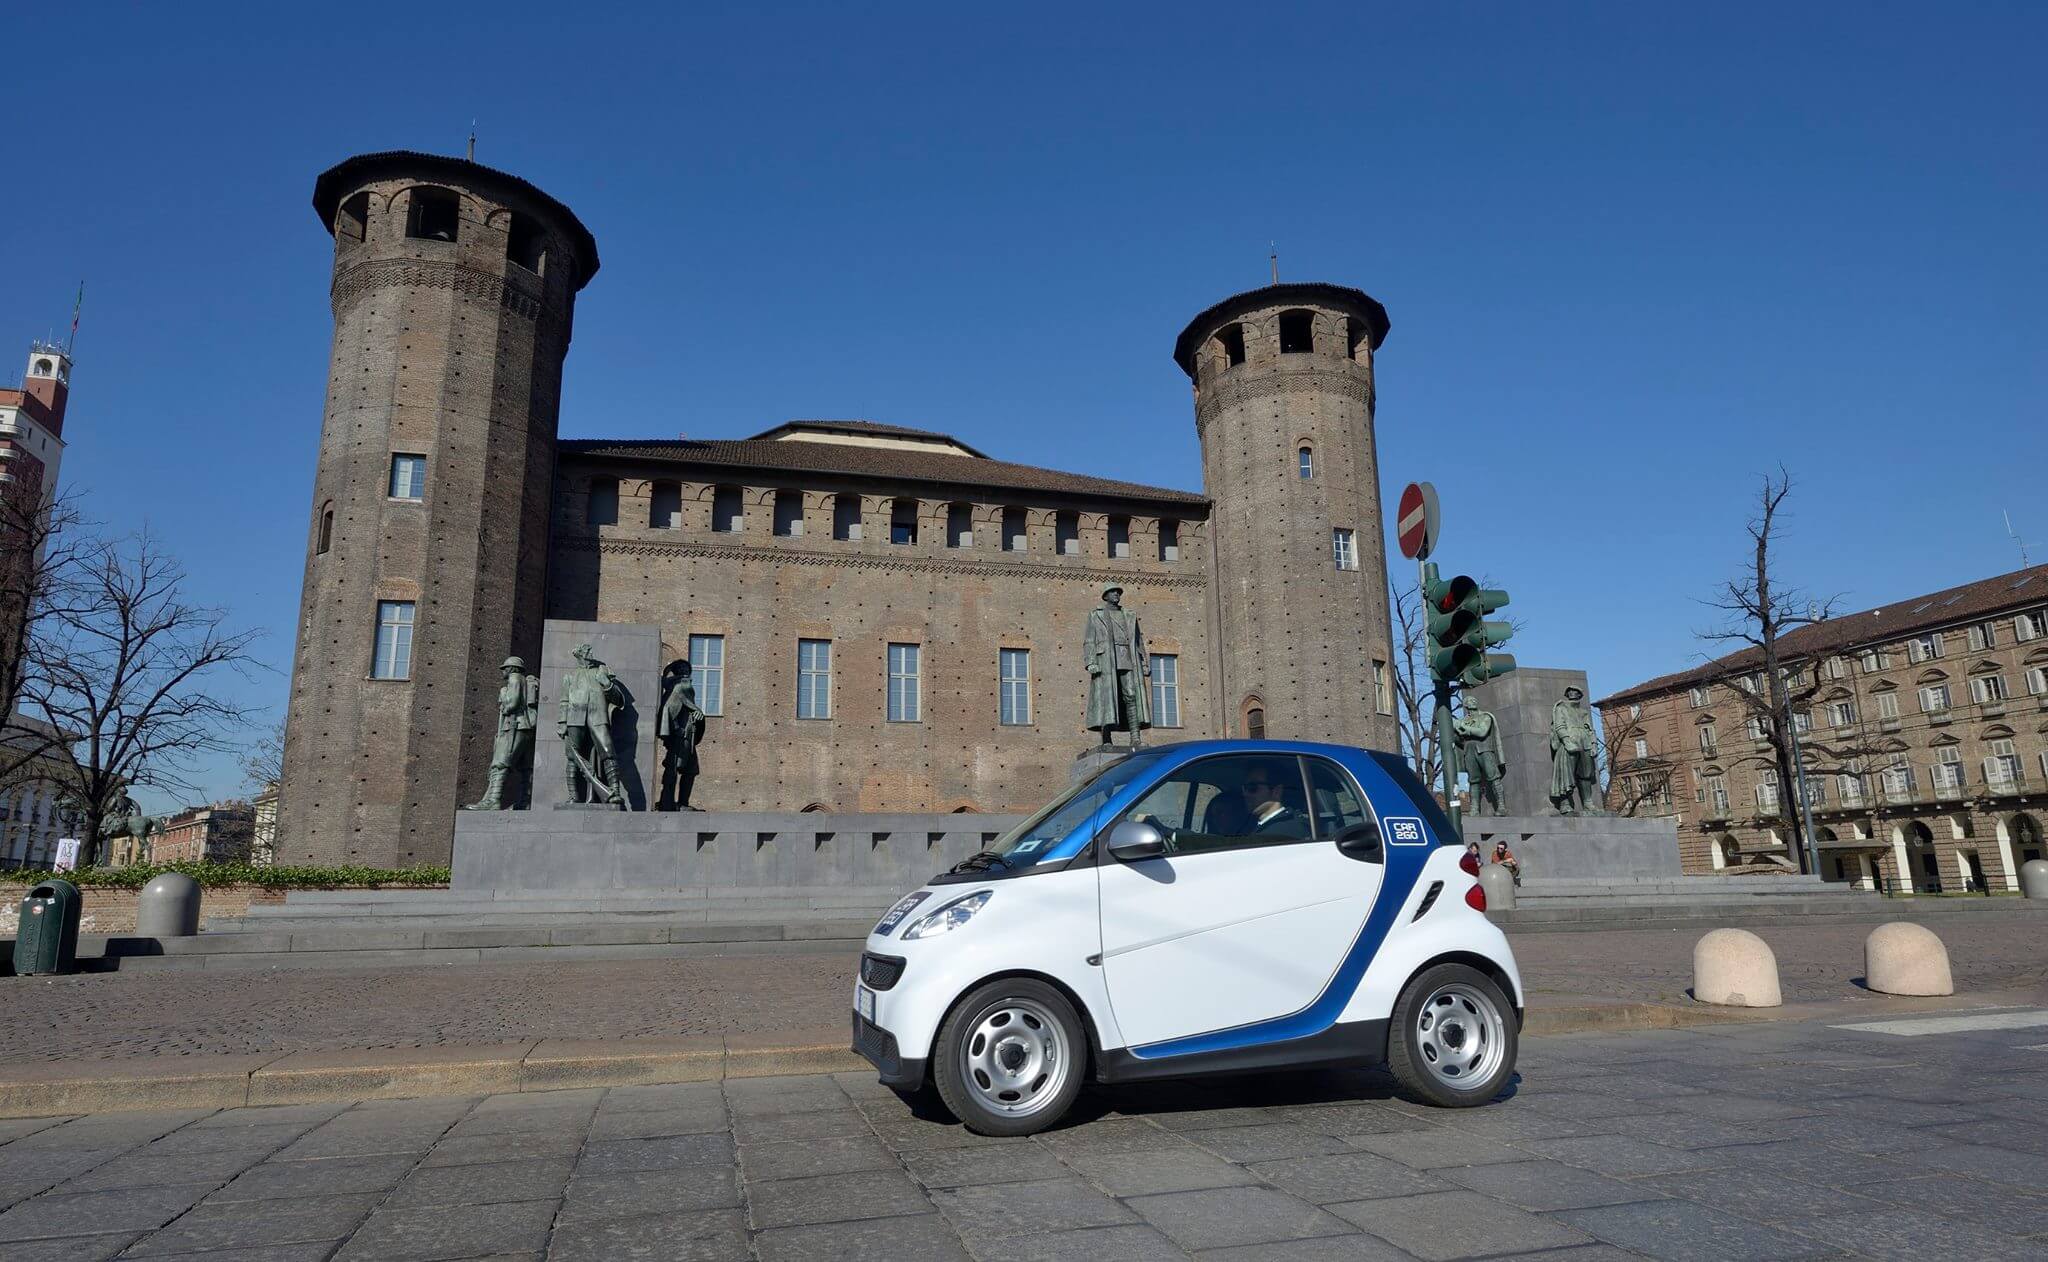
(1729, 1142)
(112, 1015)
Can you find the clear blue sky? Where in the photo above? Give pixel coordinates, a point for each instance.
(1634, 255)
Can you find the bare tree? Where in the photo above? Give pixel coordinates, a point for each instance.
(1758, 612)
(129, 672)
(39, 548)
(1414, 702)
(263, 762)
(1632, 782)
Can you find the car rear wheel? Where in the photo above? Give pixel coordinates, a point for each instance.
(1452, 1041)
(1010, 1057)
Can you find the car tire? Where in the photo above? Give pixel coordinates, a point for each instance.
(1010, 1057)
(1453, 1036)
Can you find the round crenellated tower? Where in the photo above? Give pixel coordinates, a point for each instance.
(426, 554)
(1284, 409)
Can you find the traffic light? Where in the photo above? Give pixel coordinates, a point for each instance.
(1459, 632)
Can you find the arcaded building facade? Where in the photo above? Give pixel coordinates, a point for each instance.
(1923, 731)
(878, 617)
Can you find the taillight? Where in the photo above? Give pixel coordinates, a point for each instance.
(1469, 862)
(1475, 898)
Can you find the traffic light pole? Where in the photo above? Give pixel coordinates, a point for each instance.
(1446, 739)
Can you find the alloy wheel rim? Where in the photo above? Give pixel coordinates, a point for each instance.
(1015, 1057)
(1460, 1036)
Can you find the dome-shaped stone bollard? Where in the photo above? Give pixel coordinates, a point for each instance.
(1737, 969)
(1498, 884)
(1902, 958)
(2034, 878)
(168, 907)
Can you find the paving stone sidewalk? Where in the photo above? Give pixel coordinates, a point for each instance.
(1730, 1142)
(125, 1015)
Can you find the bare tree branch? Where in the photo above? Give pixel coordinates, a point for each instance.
(1415, 709)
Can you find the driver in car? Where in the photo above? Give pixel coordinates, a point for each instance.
(1270, 817)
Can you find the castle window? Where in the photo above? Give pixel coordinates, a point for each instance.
(1169, 540)
(959, 525)
(1165, 690)
(392, 656)
(707, 665)
(906, 683)
(602, 508)
(525, 245)
(1255, 723)
(1345, 548)
(408, 477)
(1120, 537)
(326, 528)
(1305, 462)
(1015, 534)
(789, 514)
(1013, 687)
(1066, 531)
(352, 221)
(1297, 332)
(1230, 340)
(814, 679)
(728, 511)
(1357, 339)
(432, 214)
(846, 517)
(665, 506)
(903, 522)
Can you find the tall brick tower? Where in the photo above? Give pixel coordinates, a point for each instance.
(426, 553)
(1284, 407)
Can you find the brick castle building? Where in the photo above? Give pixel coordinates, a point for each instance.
(1923, 730)
(221, 833)
(879, 618)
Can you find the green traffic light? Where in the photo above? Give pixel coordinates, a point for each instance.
(1455, 619)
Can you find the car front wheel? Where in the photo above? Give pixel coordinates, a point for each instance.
(1009, 1058)
(1452, 1041)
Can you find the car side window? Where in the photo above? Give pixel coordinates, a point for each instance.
(1339, 811)
(1228, 803)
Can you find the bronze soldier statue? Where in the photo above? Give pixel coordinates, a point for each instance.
(512, 752)
(1479, 750)
(1119, 669)
(1574, 757)
(681, 728)
(589, 694)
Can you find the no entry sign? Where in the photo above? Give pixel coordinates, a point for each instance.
(1416, 521)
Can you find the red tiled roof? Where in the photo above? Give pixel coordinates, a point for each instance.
(2020, 589)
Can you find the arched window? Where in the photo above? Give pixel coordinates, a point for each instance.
(959, 525)
(1305, 462)
(1066, 533)
(433, 214)
(789, 514)
(352, 221)
(1120, 537)
(1255, 724)
(1357, 340)
(326, 528)
(1297, 332)
(602, 509)
(665, 506)
(1230, 343)
(525, 245)
(903, 521)
(728, 510)
(1169, 539)
(846, 516)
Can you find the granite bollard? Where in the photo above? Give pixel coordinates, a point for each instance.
(1903, 958)
(2034, 878)
(1499, 886)
(1736, 969)
(168, 907)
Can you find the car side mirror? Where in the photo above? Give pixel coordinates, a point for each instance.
(1133, 839)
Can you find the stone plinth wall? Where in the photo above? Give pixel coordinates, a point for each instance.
(586, 850)
(1581, 847)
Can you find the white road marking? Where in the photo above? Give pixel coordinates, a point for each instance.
(2034, 1047)
(1911, 1027)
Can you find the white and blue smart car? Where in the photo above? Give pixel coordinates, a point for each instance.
(1208, 907)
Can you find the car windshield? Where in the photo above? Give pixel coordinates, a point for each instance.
(1029, 841)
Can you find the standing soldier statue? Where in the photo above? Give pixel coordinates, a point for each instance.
(512, 752)
(589, 694)
(1480, 752)
(1119, 694)
(1574, 757)
(680, 727)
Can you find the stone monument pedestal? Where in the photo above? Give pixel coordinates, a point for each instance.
(1095, 758)
(1582, 847)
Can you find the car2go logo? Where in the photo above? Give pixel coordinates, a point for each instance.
(1406, 831)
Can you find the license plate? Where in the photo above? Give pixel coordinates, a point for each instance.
(864, 1001)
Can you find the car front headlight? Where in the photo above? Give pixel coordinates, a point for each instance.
(950, 917)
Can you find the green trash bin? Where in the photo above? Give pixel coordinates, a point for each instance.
(47, 940)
